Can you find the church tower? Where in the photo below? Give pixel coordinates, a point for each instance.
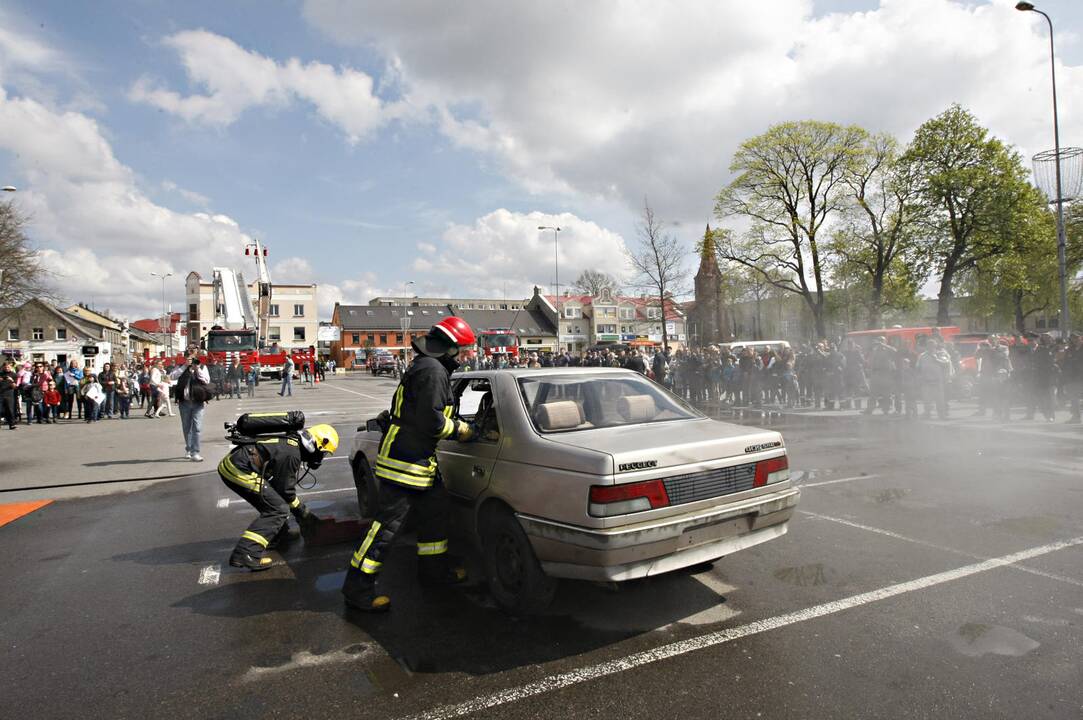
(708, 313)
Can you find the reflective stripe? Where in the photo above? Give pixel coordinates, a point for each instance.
(403, 479)
(385, 447)
(370, 566)
(272, 441)
(412, 468)
(359, 556)
(254, 537)
(397, 407)
(229, 471)
(274, 414)
(449, 429)
(432, 548)
(295, 503)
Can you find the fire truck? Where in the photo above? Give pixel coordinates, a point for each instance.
(240, 329)
(499, 342)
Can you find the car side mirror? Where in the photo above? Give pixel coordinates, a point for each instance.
(371, 425)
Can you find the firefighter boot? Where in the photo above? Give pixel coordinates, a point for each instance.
(359, 591)
(255, 563)
(440, 570)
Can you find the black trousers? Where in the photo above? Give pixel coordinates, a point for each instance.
(7, 407)
(430, 507)
(273, 514)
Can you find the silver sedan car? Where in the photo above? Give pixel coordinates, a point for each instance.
(598, 474)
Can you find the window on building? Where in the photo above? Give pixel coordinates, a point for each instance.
(299, 333)
(383, 338)
(193, 311)
(627, 313)
(298, 310)
(61, 333)
(504, 306)
(356, 338)
(13, 333)
(273, 311)
(654, 313)
(274, 334)
(573, 312)
(398, 338)
(37, 333)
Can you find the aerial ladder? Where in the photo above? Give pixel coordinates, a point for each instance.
(263, 289)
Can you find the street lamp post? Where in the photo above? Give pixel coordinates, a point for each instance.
(1062, 270)
(164, 325)
(556, 257)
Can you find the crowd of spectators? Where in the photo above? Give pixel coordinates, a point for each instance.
(1002, 373)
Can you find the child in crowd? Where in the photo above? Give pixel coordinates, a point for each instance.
(52, 403)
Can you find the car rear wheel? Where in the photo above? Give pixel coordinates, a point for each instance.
(365, 482)
(515, 577)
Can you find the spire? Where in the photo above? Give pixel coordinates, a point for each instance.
(708, 263)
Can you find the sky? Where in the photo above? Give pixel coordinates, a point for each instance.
(370, 144)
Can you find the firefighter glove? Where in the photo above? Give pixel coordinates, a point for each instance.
(464, 432)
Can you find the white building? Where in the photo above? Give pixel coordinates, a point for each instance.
(293, 317)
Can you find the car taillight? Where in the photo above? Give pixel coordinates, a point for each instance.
(772, 471)
(607, 500)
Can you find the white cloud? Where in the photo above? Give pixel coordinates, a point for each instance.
(237, 79)
(189, 195)
(99, 230)
(626, 99)
(504, 252)
(292, 270)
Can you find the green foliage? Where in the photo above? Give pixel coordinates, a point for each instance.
(790, 184)
(970, 187)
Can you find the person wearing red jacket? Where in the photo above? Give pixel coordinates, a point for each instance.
(51, 401)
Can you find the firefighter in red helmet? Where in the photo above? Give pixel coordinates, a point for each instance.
(406, 469)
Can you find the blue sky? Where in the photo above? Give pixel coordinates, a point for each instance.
(147, 135)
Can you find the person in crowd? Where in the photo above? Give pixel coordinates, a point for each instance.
(1042, 373)
(1072, 373)
(192, 391)
(235, 376)
(93, 397)
(51, 402)
(7, 394)
(287, 378)
(251, 378)
(934, 371)
(882, 367)
(108, 380)
(123, 396)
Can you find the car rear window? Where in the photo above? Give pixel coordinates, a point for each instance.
(566, 403)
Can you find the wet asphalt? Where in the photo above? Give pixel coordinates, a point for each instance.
(103, 613)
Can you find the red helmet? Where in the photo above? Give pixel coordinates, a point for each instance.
(454, 329)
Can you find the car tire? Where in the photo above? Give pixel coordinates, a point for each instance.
(516, 579)
(365, 482)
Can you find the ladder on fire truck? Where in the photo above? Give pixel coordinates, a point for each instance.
(233, 307)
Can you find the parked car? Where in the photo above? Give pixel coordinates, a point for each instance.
(597, 474)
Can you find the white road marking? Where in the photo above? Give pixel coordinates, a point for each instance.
(226, 502)
(838, 480)
(223, 503)
(371, 397)
(926, 543)
(210, 575)
(630, 662)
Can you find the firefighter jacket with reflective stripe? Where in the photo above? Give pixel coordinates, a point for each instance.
(274, 461)
(420, 418)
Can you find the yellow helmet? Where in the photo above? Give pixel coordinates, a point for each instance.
(325, 437)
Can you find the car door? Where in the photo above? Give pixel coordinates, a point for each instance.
(467, 468)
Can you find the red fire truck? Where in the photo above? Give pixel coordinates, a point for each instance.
(499, 342)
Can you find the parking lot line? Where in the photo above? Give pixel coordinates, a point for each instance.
(630, 662)
(838, 480)
(371, 397)
(926, 543)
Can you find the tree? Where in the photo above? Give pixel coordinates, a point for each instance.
(969, 186)
(790, 183)
(878, 246)
(659, 263)
(592, 282)
(23, 275)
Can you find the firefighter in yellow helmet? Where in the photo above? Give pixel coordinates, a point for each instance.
(406, 469)
(264, 473)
